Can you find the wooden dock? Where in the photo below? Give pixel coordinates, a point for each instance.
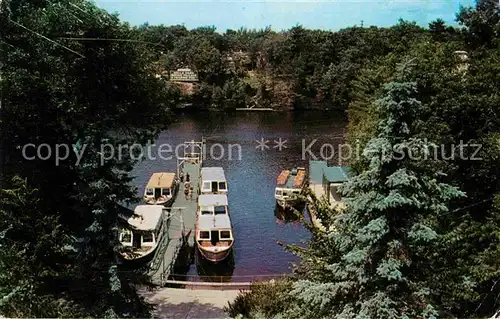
(179, 227)
(255, 109)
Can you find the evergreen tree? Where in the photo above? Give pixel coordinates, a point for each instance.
(376, 256)
(482, 23)
(33, 265)
(82, 94)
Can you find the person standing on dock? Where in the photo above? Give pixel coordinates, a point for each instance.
(187, 177)
(181, 176)
(187, 187)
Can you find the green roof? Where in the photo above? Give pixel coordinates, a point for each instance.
(333, 174)
(316, 171)
(336, 174)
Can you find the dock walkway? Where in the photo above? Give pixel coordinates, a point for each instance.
(180, 223)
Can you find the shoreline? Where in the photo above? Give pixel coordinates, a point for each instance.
(256, 110)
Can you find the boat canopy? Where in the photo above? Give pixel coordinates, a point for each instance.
(292, 179)
(146, 217)
(209, 200)
(299, 179)
(283, 177)
(161, 180)
(213, 174)
(214, 222)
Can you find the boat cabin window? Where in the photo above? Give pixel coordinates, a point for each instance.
(214, 187)
(220, 210)
(222, 186)
(136, 240)
(165, 191)
(206, 211)
(225, 234)
(148, 238)
(157, 192)
(204, 234)
(149, 192)
(296, 192)
(206, 186)
(126, 237)
(215, 237)
(279, 192)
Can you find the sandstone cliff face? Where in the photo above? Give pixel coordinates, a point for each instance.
(187, 89)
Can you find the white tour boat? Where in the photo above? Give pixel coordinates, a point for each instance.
(143, 232)
(214, 235)
(161, 189)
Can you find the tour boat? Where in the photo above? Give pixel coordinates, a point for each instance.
(214, 235)
(143, 232)
(161, 189)
(289, 184)
(213, 181)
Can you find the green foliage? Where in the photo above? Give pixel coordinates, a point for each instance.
(379, 260)
(397, 251)
(458, 105)
(482, 23)
(33, 265)
(302, 68)
(263, 300)
(79, 93)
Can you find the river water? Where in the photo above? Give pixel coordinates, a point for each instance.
(231, 142)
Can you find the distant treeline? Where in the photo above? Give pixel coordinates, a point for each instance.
(293, 69)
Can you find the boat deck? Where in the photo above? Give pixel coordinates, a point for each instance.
(287, 180)
(180, 227)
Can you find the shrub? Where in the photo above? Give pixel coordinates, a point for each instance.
(267, 298)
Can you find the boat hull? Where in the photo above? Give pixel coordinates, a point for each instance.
(164, 202)
(214, 257)
(139, 258)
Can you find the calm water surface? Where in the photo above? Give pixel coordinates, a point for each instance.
(257, 226)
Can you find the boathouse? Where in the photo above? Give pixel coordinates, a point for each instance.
(325, 180)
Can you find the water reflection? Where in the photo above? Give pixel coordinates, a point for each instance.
(289, 215)
(210, 272)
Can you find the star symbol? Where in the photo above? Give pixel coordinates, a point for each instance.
(280, 144)
(262, 144)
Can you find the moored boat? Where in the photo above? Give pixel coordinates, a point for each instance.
(213, 181)
(143, 232)
(214, 234)
(161, 189)
(289, 185)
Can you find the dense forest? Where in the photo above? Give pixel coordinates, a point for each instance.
(296, 68)
(293, 69)
(417, 239)
(58, 221)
